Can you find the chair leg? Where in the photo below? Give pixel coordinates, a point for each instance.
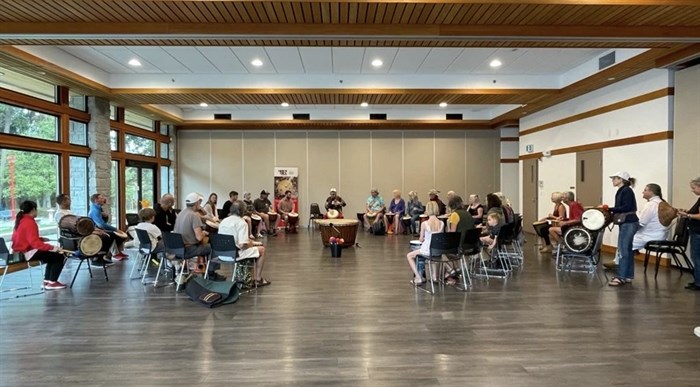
(646, 261)
(658, 262)
(430, 276)
(77, 270)
(137, 262)
(182, 272)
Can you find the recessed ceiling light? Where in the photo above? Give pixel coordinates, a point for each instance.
(377, 63)
(364, 104)
(257, 62)
(285, 104)
(443, 104)
(611, 79)
(41, 72)
(203, 104)
(495, 63)
(134, 62)
(1, 73)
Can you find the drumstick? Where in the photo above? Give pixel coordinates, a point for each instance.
(65, 252)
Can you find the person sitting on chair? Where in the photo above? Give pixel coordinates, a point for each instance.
(433, 195)
(248, 210)
(234, 225)
(286, 207)
(63, 202)
(558, 214)
(414, 209)
(431, 226)
(165, 214)
(262, 207)
(335, 202)
(375, 208)
(397, 206)
(476, 209)
(26, 240)
(450, 195)
(210, 208)
(493, 220)
(148, 216)
(96, 213)
(575, 213)
(232, 198)
(189, 225)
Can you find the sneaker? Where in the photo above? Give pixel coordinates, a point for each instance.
(697, 331)
(261, 236)
(54, 285)
(120, 256)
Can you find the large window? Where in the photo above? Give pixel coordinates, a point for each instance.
(77, 101)
(29, 123)
(138, 120)
(77, 133)
(164, 180)
(27, 176)
(114, 140)
(139, 145)
(79, 185)
(27, 85)
(164, 151)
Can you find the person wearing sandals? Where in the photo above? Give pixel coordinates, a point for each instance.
(427, 228)
(460, 221)
(237, 227)
(625, 216)
(693, 215)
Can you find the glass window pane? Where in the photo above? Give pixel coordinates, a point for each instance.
(27, 85)
(165, 129)
(148, 188)
(25, 122)
(112, 112)
(163, 150)
(78, 133)
(76, 101)
(132, 190)
(113, 140)
(79, 185)
(138, 120)
(28, 176)
(139, 145)
(114, 195)
(164, 180)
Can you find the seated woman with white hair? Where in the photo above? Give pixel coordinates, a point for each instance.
(397, 206)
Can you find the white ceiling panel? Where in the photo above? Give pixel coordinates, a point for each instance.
(469, 60)
(192, 59)
(223, 59)
(286, 60)
(507, 56)
(408, 60)
(95, 58)
(348, 60)
(159, 58)
(438, 60)
(122, 54)
(317, 60)
(385, 54)
(248, 54)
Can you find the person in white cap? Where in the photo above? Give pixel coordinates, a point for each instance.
(335, 202)
(625, 216)
(189, 224)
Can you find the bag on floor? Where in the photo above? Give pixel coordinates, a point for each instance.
(378, 228)
(212, 293)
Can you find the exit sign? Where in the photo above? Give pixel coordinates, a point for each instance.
(529, 148)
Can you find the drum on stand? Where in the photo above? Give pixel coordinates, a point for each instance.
(255, 220)
(90, 245)
(273, 220)
(578, 239)
(390, 223)
(444, 218)
(415, 244)
(211, 226)
(422, 219)
(77, 225)
(596, 219)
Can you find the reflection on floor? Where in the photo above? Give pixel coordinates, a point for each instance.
(357, 321)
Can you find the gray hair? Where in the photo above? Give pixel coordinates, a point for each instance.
(235, 208)
(570, 195)
(695, 182)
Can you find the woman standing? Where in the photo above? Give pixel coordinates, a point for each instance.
(693, 215)
(26, 240)
(625, 216)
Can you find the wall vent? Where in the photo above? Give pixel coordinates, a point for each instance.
(453, 116)
(606, 60)
(377, 116)
(222, 116)
(301, 116)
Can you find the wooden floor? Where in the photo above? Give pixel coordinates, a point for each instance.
(357, 321)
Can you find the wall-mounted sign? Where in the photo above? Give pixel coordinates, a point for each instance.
(529, 148)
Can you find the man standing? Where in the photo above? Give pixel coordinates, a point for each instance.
(285, 207)
(262, 207)
(236, 226)
(165, 214)
(189, 224)
(97, 214)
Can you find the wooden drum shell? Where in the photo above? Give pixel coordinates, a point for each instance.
(78, 225)
(347, 229)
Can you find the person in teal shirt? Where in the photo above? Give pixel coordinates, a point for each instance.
(375, 208)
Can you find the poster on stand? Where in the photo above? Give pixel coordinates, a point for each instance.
(286, 179)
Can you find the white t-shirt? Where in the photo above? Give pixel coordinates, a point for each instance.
(153, 233)
(236, 226)
(60, 213)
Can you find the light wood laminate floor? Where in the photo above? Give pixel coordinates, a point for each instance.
(357, 321)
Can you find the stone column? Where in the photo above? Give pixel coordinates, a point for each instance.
(173, 165)
(100, 161)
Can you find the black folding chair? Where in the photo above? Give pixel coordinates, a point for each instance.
(175, 251)
(676, 246)
(224, 250)
(444, 248)
(71, 242)
(314, 213)
(4, 258)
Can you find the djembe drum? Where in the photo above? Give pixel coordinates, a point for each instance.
(390, 223)
(292, 221)
(339, 228)
(273, 220)
(255, 223)
(77, 225)
(595, 219)
(406, 220)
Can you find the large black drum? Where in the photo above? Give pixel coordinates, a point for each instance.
(77, 225)
(579, 239)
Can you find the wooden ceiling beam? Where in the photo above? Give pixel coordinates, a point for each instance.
(335, 125)
(497, 2)
(32, 30)
(193, 91)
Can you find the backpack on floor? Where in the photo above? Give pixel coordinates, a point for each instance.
(378, 228)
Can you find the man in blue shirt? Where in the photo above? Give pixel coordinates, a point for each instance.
(374, 208)
(97, 214)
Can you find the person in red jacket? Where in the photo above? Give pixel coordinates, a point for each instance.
(26, 240)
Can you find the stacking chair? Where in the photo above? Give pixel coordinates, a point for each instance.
(444, 248)
(175, 250)
(471, 247)
(144, 256)
(587, 261)
(314, 213)
(224, 250)
(71, 242)
(4, 258)
(675, 247)
(508, 246)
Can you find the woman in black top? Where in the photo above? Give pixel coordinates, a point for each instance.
(625, 211)
(476, 209)
(693, 215)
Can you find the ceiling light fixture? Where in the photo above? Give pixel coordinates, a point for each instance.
(495, 63)
(134, 62)
(256, 62)
(364, 104)
(285, 104)
(203, 104)
(611, 79)
(443, 104)
(377, 63)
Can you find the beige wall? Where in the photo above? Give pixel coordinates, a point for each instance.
(351, 161)
(686, 136)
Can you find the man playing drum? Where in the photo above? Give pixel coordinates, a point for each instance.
(262, 207)
(64, 201)
(374, 208)
(574, 218)
(335, 202)
(98, 201)
(286, 207)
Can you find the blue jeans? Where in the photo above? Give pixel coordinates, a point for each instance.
(624, 247)
(415, 224)
(695, 255)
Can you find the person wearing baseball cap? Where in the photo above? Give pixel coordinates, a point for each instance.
(189, 224)
(262, 207)
(625, 216)
(336, 203)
